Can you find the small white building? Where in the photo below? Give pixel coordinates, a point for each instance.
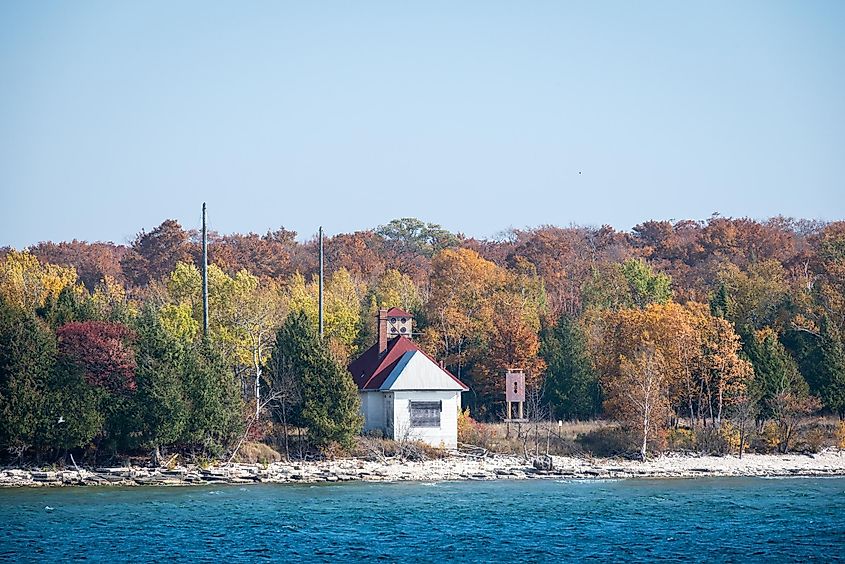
(404, 393)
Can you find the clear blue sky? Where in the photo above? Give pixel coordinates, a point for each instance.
(477, 115)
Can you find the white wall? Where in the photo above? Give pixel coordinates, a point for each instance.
(445, 436)
(415, 378)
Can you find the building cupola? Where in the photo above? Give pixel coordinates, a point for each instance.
(393, 323)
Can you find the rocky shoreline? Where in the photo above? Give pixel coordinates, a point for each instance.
(457, 467)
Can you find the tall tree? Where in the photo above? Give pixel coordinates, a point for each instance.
(45, 404)
(460, 309)
(343, 297)
(102, 352)
(410, 235)
(160, 399)
(360, 253)
(154, 255)
(646, 285)
(392, 289)
(754, 298)
(775, 370)
(294, 349)
(216, 404)
(330, 405)
(830, 367)
(638, 396)
(513, 343)
(92, 261)
(27, 357)
(572, 386)
(268, 255)
(632, 283)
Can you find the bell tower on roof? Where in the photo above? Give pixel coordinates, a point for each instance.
(393, 323)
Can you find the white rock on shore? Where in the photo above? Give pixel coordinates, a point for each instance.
(828, 463)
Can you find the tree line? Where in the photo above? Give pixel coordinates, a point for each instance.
(688, 324)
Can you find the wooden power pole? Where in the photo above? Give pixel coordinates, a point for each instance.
(204, 275)
(320, 299)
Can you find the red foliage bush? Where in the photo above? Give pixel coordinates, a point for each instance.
(102, 351)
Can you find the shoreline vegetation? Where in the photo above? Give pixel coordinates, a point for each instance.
(454, 467)
(716, 337)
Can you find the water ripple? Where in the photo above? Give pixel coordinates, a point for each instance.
(752, 520)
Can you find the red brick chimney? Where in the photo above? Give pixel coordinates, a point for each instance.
(381, 323)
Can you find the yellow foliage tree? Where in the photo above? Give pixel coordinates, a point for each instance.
(698, 354)
(342, 314)
(460, 308)
(484, 316)
(638, 397)
(244, 313)
(26, 283)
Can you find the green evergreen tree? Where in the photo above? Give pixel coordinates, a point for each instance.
(830, 368)
(775, 371)
(160, 396)
(72, 304)
(73, 416)
(216, 404)
(45, 404)
(27, 356)
(330, 407)
(722, 304)
(572, 387)
(296, 349)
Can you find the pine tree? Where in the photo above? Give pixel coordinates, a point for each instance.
(160, 397)
(330, 406)
(830, 368)
(45, 403)
(73, 414)
(571, 384)
(216, 405)
(296, 348)
(722, 304)
(27, 356)
(775, 371)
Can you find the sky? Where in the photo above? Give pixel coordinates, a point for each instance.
(479, 116)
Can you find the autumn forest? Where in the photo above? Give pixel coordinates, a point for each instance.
(722, 335)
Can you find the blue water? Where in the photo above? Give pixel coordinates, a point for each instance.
(735, 519)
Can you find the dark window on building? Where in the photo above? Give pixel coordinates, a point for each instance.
(425, 413)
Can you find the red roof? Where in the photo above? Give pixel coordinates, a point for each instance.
(370, 370)
(396, 312)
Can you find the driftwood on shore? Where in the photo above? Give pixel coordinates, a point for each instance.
(467, 466)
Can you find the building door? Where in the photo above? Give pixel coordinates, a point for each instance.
(388, 415)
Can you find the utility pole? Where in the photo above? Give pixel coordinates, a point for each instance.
(320, 305)
(204, 275)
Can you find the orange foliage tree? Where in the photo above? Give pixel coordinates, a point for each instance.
(691, 358)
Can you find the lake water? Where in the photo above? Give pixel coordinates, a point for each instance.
(740, 520)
